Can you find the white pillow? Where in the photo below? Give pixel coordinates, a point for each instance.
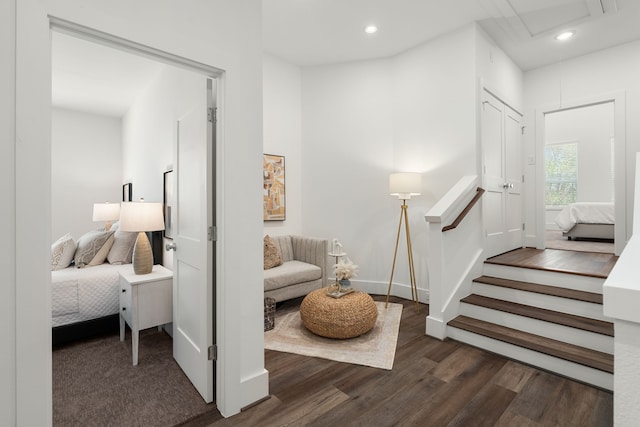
(62, 252)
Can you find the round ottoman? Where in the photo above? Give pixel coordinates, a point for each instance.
(346, 317)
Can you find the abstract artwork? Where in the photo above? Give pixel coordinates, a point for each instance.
(273, 199)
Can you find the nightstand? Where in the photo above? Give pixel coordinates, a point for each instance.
(146, 300)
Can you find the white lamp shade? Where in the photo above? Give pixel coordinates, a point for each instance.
(405, 184)
(141, 216)
(106, 211)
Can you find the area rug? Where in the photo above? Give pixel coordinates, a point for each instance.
(376, 348)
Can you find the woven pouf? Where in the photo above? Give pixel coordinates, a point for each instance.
(346, 317)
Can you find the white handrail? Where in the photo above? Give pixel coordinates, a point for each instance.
(453, 258)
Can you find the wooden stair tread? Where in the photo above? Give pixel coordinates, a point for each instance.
(588, 264)
(571, 320)
(594, 359)
(556, 291)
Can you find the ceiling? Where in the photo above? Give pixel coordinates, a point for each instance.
(98, 79)
(314, 32)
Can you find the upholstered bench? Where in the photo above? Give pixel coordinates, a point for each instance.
(302, 267)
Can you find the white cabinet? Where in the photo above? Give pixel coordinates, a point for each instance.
(146, 300)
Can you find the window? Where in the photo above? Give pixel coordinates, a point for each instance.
(561, 170)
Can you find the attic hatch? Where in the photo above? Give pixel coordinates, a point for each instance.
(526, 19)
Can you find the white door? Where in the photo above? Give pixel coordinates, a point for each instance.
(192, 265)
(501, 139)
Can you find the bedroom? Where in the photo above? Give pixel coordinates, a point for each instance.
(236, 245)
(580, 178)
(116, 118)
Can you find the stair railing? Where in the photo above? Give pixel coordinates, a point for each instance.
(454, 251)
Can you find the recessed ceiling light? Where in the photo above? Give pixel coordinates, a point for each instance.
(371, 29)
(565, 35)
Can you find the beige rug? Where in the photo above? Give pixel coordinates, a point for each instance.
(376, 348)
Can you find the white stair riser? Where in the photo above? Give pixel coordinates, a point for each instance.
(560, 366)
(549, 302)
(554, 331)
(543, 277)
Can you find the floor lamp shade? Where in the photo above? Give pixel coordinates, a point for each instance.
(405, 184)
(106, 212)
(141, 217)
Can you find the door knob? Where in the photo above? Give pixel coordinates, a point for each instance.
(170, 246)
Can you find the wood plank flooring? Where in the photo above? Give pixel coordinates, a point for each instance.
(433, 383)
(581, 263)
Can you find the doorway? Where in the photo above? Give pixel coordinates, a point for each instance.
(580, 178)
(208, 78)
(580, 193)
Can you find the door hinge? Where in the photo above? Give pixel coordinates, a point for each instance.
(212, 234)
(212, 353)
(523, 226)
(212, 115)
(522, 178)
(522, 129)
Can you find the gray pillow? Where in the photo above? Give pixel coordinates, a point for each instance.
(89, 245)
(122, 249)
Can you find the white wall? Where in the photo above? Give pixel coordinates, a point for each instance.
(362, 121)
(282, 134)
(8, 353)
(150, 129)
(221, 33)
(498, 72)
(601, 73)
(86, 168)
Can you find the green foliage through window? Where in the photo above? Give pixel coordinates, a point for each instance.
(561, 169)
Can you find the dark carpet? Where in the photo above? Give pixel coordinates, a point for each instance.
(95, 384)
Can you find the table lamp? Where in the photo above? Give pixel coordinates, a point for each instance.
(141, 217)
(404, 185)
(106, 212)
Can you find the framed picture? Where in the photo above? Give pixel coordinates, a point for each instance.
(127, 192)
(273, 188)
(169, 200)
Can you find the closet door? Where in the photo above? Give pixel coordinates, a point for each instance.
(501, 146)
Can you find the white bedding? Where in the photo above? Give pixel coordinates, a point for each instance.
(585, 213)
(79, 294)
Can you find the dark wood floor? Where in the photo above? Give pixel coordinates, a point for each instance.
(582, 263)
(433, 383)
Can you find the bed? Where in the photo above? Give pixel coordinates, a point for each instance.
(85, 282)
(587, 220)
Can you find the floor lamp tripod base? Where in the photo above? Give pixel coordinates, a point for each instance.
(412, 275)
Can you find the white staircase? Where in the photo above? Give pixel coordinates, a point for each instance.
(547, 319)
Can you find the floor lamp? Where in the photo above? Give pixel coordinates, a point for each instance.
(404, 185)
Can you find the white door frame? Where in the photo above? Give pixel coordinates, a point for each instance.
(115, 42)
(619, 118)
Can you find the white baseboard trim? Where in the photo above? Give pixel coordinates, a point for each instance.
(399, 290)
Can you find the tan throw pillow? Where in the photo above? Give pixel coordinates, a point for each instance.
(101, 256)
(89, 245)
(271, 256)
(122, 249)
